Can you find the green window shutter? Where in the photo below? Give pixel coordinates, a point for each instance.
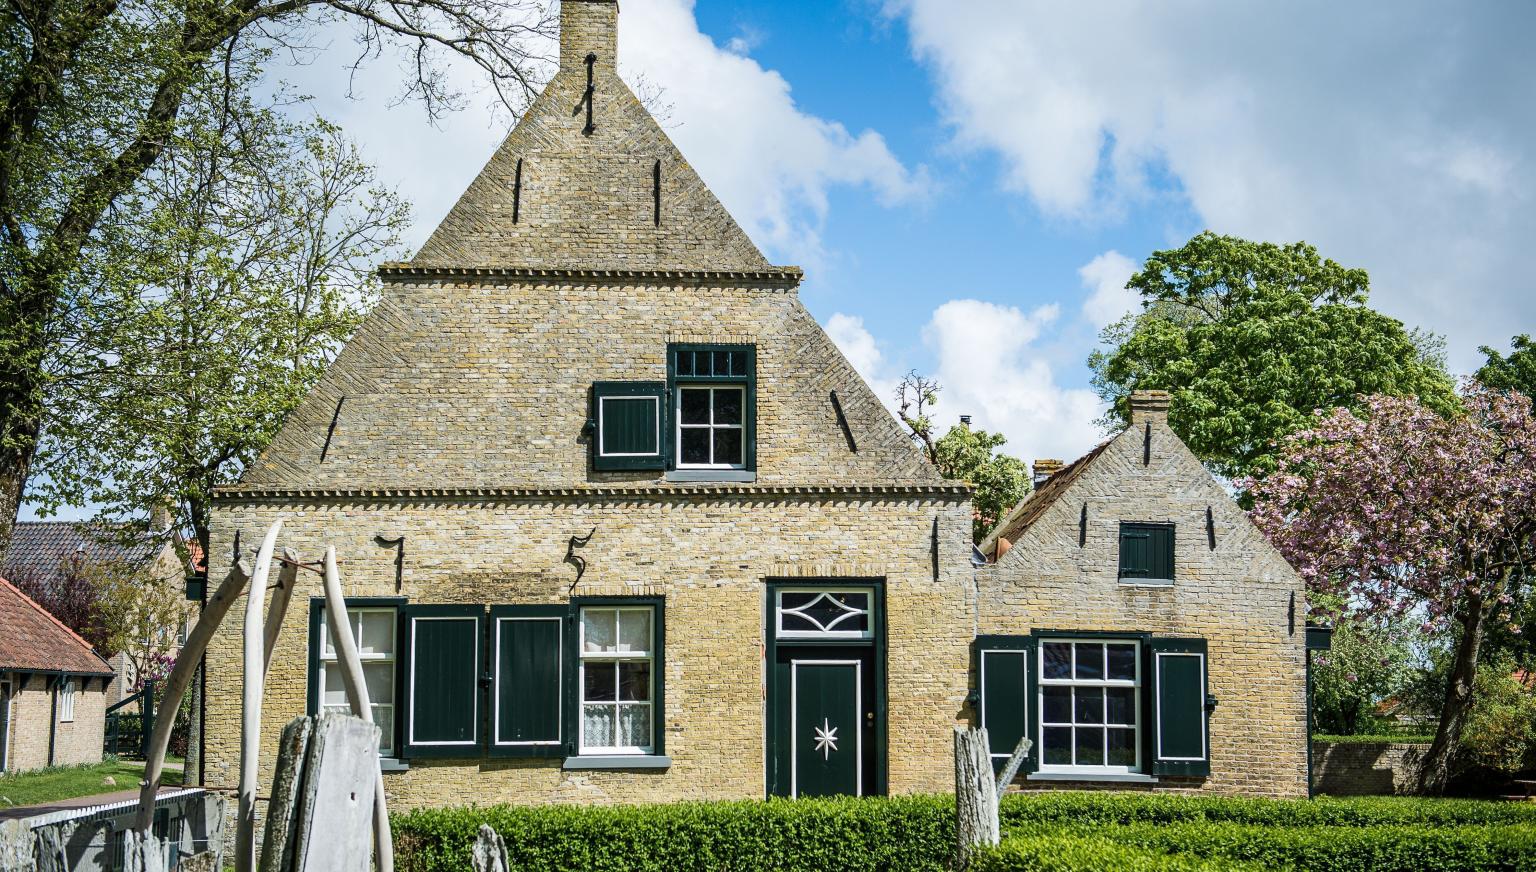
(443, 662)
(1005, 680)
(629, 425)
(527, 680)
(1180, 724)
(1146, 551)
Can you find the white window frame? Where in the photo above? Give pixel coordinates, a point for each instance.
(602, 411)
(711, 427)
(328, 655)
(779, 611)
(584, 657)
(1136, 726)
(67, 700)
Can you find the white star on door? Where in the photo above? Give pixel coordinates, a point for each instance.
(826, 739)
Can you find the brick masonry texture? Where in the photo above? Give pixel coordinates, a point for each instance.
(1366, 768)
(1237, 597)
(77, 741)
(709, 556)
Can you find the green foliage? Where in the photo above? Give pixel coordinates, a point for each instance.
(1368, 663)
(1001, 480)
(1249, 338)
(1054, 852)
(1106, 809)
(1405, 738)
(1500, 734)
(907, 833)
(66, 782)
(1517, 372)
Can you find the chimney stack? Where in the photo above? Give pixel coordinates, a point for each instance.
(589, 27)
(159, 519)
(1044, 469)
(1148, 407)
(965, 421)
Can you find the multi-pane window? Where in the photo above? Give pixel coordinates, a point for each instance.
(374, 632)
(817, 613)
(67, 700)
(710, 427)
(1090, 705)
(617, 686)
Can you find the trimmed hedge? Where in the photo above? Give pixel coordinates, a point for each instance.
(1062, 853)
(1380, 738)
(1070, 807)
(903, 834)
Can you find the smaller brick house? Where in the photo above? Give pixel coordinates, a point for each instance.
(1139, 629)
(53, 688)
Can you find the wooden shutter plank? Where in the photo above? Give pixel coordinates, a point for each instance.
(528, 680)
(1180, 718)
(1004, 665)
(629, 425)
(443, 661)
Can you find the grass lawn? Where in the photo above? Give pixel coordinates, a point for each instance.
(66, 782)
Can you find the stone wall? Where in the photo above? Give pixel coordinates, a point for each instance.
(1237, 596)
(76, 741)
(709, 555)
(1366, 768)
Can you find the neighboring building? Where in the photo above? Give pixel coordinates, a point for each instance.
(618, 521)
(53, 688)
(48, 549)
(1140, 630)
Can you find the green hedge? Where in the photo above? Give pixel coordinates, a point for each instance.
(899, 834)
(1344, 849)
(1390, 738)
(1063, 853)
(1068, 807)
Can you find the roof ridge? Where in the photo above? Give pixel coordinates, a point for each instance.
(60, 624)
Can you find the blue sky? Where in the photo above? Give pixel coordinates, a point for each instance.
(969, 183)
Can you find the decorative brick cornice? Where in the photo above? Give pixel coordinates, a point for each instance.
(784, 274)
(236, 494)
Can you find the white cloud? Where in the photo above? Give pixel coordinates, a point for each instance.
(1108, 299)
(990, 370)
(863, 351)
(1395, 138)
(772, 164)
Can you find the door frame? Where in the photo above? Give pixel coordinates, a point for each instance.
(775, 688)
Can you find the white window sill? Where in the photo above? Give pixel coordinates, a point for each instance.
(1121, 777)
(728, 475)
(1146, 582)
(619, 761)
(392, 764)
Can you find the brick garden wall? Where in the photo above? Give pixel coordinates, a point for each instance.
(1366, 768)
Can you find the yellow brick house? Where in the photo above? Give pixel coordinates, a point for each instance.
(617, 521)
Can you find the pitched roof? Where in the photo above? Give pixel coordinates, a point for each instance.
(31, 639)
(39, 548)
(1033, 506)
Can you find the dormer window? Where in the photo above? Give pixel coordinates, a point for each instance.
(713, 405)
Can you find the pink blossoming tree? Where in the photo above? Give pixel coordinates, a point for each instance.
(1404, 512)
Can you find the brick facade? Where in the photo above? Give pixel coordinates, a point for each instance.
(1367, 768)
(75, 741)
(1240, 596)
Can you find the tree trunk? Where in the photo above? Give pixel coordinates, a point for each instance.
(15, 466)
(976, 823)
(1435, 771)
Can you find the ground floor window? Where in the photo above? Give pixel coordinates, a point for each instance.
(373, 630)
(1090, 705)
(67, 700)
(617, 656)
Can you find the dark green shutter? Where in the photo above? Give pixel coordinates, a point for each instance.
(1180, 722)
(1146, 551)
(1004, 673)
(443, 660)
(527, 692)
(629, 425)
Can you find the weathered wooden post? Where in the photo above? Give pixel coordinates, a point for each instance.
(490, 852)
(17, 851)
(975, 795)
(176, 685)
(357, 698)
(287, 785)
(254, 676)
(341, 770)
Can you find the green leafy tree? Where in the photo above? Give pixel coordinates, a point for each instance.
(1249, 338)
(1001, 481)
(964, 454)
(1517, 372)
(1371, 661)
(249, 252)
(91, 93)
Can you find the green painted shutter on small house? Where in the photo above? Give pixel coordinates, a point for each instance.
(1004, 672)
(443, 664)
(527, 664)
(1180, 711)
(629, 425)
(1146, 551)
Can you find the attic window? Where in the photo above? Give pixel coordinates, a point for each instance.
(1146, 553)
(713, 391)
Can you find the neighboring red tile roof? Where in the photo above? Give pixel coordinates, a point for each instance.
(1033, 506)
(32, 640)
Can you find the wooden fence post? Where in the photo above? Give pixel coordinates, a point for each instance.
(975, 795)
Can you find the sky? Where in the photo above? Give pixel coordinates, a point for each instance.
(969, 184)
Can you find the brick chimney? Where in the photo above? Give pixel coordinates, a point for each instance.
(1148, 407)
(1044, 469)
(589, 27)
